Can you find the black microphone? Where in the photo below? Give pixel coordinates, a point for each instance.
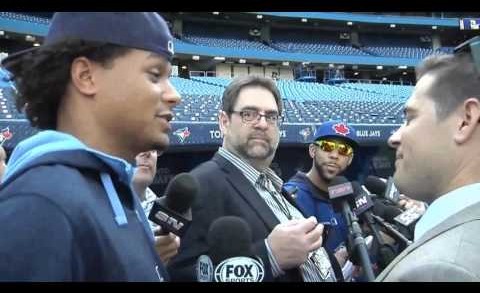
(387, 212)
(173, 211)
(231, 257)
(392, 215)
(385, 190)
(341, 193)
(363, 206)
(385, 215)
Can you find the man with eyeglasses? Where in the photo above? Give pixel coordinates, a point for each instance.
(238, 181)
(332, 152)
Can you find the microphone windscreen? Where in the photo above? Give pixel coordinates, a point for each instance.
(181, 192)
(375, 185)
(357, 188)
(385, 211)
(338, 180)
(229, 236)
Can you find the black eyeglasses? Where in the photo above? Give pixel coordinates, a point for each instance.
(251, 115)
(471, 46)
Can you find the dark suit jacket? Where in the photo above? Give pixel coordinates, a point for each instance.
(225, 191)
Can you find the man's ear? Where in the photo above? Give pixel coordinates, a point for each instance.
(82, 75)
(350, 160)
(223, 121)
(469, 120)
(311, 150)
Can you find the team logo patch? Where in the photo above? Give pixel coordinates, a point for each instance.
(5, 135)
(341, 128)
(305, 133)
(182, 134)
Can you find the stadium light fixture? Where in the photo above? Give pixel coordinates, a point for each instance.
(331, 65)
(2, 33)
(36, 44)
(259, 16)
(304, 20)
(29, 38)
(349, 23)
(392, 25)
(242, 61)
(215, 13)
(285, 63)
(219, 58)
(355, 73)
(184, 67)
(384, 78)
(404, 73)
(434, 27)
(195, 57)
(379, 67)
(402, 67)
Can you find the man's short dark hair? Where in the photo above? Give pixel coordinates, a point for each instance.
(230, 95)
(41, 77)
(455, 80)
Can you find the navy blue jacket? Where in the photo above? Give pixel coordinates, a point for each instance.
(68, 213)
(314, 202)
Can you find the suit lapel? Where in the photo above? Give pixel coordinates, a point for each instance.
(246, 190)
(466, 215)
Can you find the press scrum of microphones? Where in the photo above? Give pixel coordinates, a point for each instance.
(343, 195)
(373, 208)
(230, 256)
(173, 212)
(387, 206)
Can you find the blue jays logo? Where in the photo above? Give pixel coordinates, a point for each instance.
(341, 128)
(307, 132)
(5, 135)
(182, 134)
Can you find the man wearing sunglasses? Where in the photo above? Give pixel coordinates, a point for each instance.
(332, 152)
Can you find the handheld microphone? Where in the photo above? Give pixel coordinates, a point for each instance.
(341, 192)
(173, 211)
(389, 213)
(231, 257)
(363, 206)
(408, 217)
(386, 190)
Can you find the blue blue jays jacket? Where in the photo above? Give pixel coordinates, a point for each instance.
(315, 202)
(68, 213)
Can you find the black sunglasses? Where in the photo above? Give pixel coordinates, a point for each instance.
(471, 46)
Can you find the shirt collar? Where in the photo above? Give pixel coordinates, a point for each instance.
(251, 173)
(446, 206)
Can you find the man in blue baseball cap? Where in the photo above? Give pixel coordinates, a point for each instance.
(99, 88)
(332, 151)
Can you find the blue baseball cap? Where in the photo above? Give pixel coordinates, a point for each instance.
(337, 129)
(137, 30)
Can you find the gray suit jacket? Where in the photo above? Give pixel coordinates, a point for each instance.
(450, 252)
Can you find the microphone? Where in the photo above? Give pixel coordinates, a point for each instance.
(363, 206)
(173, 211)
(341, 192)
(387, 212)
(385, 190)
(408, 218)
(231, 257)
